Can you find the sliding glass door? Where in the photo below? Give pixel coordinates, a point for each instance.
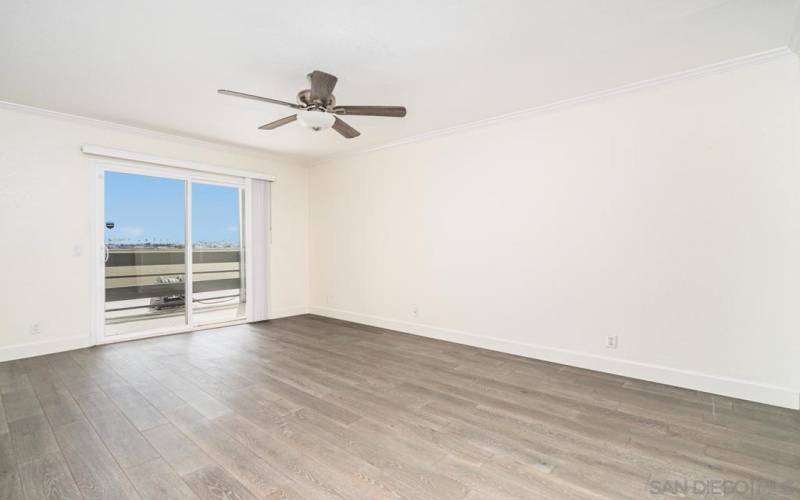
(217, 256)
(154, 225)
(145, 247)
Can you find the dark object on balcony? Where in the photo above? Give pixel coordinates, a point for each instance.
(169, 302)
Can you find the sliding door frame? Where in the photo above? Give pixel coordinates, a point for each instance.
(245, 211)
(99, 169)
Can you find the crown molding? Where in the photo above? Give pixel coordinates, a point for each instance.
(698, 72)
(792, 49)
(228, 147)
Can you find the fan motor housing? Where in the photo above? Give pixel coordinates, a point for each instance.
(304, 98)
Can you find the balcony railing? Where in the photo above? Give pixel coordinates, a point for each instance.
(138, 278)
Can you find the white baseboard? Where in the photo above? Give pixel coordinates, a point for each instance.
(288, 311)
(724, 386)
(43, 347)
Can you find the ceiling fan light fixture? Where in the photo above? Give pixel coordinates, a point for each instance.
(315, 120)
(316, 107)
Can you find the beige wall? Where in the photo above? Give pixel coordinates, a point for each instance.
(667, 216)
(46, 210)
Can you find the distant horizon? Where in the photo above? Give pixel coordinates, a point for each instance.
(197, 245)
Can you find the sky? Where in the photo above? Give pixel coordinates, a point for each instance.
(145, 208)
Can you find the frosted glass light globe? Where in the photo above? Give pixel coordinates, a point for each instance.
(315, 120)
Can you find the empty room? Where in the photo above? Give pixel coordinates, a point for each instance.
(429, 250)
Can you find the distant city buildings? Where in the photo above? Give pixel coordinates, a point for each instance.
(216, 244)
(113, 243)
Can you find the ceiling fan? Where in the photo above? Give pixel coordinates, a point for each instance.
(317, 110)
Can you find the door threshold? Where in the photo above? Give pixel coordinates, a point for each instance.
(172, 331)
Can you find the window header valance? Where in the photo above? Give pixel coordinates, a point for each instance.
(119, 154)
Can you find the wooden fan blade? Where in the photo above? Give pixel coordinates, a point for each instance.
(395, 111)
(278, 123)
(259, 98)
(346, 130)
(322, 85)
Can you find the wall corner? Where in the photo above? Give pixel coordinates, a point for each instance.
(794, 36)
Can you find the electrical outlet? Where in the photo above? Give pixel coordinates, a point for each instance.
(36, 329)
(328, 300)
(612, 342)
(415, 311)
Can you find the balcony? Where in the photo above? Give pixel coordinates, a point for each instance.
(148, 284)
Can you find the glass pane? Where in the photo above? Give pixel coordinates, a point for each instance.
(145, 239)
(217, 263)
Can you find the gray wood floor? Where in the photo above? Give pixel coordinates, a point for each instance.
(308, 407)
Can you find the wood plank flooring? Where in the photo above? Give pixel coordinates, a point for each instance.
(309, 407)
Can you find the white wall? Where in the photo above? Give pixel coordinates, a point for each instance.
(669, 216)
(46, 209)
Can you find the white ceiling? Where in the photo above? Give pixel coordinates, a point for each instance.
(158, 63)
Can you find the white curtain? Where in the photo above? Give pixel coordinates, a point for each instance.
(260, 239)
